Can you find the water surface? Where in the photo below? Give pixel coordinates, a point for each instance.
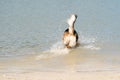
(31, 32)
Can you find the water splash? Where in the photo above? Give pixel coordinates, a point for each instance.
(89, 43)
(58, 48)
(55, 50)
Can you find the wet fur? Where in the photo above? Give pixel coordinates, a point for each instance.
(70, 36)
(66, 34)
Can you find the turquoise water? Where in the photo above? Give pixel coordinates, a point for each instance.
(35, 28)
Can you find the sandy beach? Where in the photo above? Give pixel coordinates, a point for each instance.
(102, 75)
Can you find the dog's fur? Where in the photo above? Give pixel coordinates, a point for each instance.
(70, 36)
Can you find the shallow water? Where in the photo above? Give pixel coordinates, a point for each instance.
(31, 32)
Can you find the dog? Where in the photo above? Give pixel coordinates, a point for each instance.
(70, 36)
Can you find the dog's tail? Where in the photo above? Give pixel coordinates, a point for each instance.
(72, 20)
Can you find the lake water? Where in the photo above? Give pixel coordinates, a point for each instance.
(31, 35)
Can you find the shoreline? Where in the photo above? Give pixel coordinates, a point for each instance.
(99, 75)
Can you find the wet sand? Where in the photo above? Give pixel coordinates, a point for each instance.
(102, 75)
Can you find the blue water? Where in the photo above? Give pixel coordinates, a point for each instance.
(30, 27)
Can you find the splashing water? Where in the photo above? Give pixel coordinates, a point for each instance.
(88, 43)
(55, 50)
(58, 48)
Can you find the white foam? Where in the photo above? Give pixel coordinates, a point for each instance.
(55, 50)
(92, 47)
(58, 48)
(87, 40)
(88, 43)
